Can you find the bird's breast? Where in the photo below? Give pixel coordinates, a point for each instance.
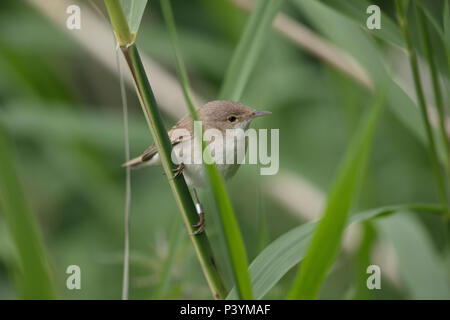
(226, 154)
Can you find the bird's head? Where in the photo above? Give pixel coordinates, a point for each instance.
(226, 114)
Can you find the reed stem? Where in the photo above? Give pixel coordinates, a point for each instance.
(428, 48)
(401, 16)
(163, 145)
(230, 228)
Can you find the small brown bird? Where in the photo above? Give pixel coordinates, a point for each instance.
(222, 115)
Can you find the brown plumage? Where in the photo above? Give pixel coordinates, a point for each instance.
(215, 114)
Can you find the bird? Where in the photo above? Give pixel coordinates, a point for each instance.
(223, 116)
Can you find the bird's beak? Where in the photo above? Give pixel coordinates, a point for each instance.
(257, 113)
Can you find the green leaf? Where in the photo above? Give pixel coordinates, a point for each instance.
(119, 22)
(420, 266)
(249, 48)
(356, 10)
(345, 33)
(34, 280)
(327, 238)
(290, 248)
(134, 10)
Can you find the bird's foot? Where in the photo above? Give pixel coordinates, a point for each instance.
(201, 215)
(200, 225)
(178, 170)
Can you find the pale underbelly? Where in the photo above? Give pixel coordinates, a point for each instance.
(196, 176)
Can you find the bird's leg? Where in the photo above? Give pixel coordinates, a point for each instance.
(178, 170)
(201, 223)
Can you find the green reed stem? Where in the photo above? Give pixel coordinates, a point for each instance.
(235, 244)
(401, 16)
(435, 81)
(162, 142)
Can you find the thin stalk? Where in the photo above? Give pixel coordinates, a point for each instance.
(162, 142)
(326, 241)
(126, 253)
(435, 80)
(249, 48)
(181, 69)
(235, 244)
(439, 102)
(119, 22)
(401, 16)
(446, 31)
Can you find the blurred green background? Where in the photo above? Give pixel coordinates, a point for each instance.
(61, 109)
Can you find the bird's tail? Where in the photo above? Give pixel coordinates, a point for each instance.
(135, 163)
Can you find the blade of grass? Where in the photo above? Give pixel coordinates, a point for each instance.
(362, 260)
(134, 10)
(401, 7)
(230, 228)
(354, 9)
(346, 34)
(126, 255)
(327, 238)
(289, 249)
(442, 32)
(34, 280)
(156, 126)
(248, 49)
(426, 42)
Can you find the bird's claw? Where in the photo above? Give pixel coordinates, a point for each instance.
(200, 225)
(178, 170)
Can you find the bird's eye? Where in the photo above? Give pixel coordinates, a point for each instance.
(232, 118)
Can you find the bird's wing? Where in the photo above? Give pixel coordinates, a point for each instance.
(152, 151)
(149, 153)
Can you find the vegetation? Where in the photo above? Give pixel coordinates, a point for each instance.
(361, 113)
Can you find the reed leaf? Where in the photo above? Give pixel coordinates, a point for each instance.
(289, 249)
(354, 9)
(348, 35)
(34, 279)
(327, 238)
(134, 10)
(249, 48)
